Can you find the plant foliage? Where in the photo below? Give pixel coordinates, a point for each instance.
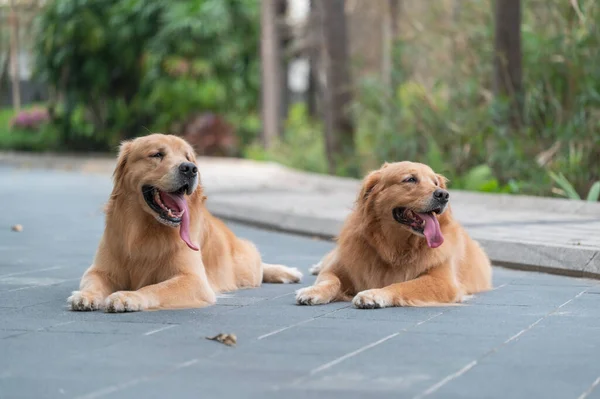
(120, 66)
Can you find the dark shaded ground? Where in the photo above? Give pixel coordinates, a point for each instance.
(534, 336)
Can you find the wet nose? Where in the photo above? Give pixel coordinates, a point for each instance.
(441, 195)
(188, 169)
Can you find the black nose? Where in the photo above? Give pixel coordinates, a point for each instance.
(441, 195)
(188, 169)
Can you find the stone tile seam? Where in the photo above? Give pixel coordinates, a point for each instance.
(434, 388)
(299, 323)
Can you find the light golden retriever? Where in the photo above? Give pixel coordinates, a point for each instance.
(161, 248)
(400, 246)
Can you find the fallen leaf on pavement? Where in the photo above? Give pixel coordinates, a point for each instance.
(226, 339)
(17, 227)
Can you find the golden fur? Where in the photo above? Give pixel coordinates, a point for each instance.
(143, 264)
(379, 262)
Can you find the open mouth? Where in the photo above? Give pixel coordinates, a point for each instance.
(169, 206)
(171, 209)
(412, 219)
(425, 224)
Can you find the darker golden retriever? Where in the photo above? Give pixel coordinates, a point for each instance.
(161, 248)
(401, 246)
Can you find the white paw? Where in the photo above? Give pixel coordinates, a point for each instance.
(316, 269)
(293, 276)
(466, 298)
(124, 301)
(310, 296)
(84, 301)
(370, 299)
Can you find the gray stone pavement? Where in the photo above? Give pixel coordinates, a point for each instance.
(532, 233)
(534, 336)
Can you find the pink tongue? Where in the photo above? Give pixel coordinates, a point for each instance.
(432, 230)
(178, 203)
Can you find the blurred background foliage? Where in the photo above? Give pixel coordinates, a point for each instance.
(120, 68)
(443, 112)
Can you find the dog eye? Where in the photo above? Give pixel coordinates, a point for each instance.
(159, 155)
(411, 179)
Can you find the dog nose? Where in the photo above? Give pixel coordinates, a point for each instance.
(188, 169)
(441, 195)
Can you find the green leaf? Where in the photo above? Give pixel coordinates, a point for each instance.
(478, 178)
(564, 184)
(594, 193)
(435, 158)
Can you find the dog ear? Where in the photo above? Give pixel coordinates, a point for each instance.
(124, 151)
(442, 181)
(369, 183)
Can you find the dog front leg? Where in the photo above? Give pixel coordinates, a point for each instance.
(327, 288)
(435, 287)
(95, 286)
(181, 291)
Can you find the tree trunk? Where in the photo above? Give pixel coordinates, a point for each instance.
(394, 9)
(283, 36)
(339, 129)
(4, 71)
(312, 92)
(507, 59)
(271, 74)
(14, 58)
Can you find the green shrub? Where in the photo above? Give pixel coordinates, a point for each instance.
(13, 137)
(566, 189)
(204, 58)
(90, 52)
(123, 67)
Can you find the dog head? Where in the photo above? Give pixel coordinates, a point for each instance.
(159, 173)
(411, 195)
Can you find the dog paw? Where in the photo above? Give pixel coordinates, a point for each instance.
(84, 301)
(370, 299)
(310, 296)
(291, 276)
(124, 301)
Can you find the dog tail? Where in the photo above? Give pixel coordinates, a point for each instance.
(280, 274)
(330, 257)
(316, 268)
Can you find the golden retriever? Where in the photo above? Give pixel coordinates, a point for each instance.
(161, 248)
(400, 246)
